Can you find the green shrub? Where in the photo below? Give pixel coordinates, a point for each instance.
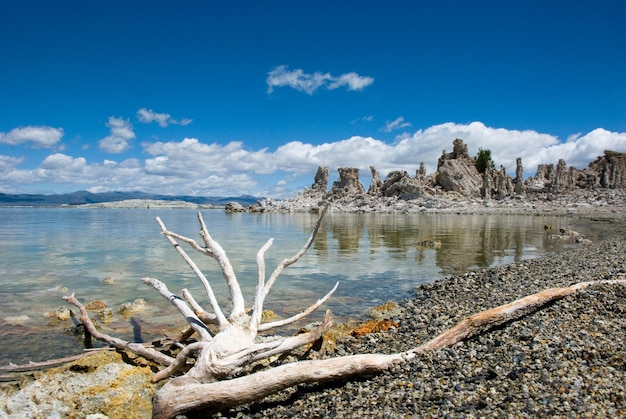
(483, 160)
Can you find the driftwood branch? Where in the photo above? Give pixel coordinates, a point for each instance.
(213, 397)
(263, 291)
(179, 362)
(137, 348)
(227, 269)
(299, 316)
(221, 319)
(472, 325)
(194, 322)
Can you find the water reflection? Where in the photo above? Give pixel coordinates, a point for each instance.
(47, 253)
(462, 242)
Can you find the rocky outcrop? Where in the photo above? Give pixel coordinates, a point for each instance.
(348, 183)
(320, 183)
(610, 170)
(421, 172)
(457, 172)
(376, 185)
(458, 185)
(234, 207)
(103, 385)
(504, 184)
(519, 177)
(486, 189)
(400, 184)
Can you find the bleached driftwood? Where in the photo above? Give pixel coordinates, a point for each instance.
(226, 348)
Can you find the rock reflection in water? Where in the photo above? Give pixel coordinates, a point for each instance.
(459, 242)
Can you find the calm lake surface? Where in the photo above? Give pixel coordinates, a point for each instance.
(46, 253)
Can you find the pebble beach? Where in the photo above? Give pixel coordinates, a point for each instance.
(567, 359)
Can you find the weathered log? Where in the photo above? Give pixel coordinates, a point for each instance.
(182, 395)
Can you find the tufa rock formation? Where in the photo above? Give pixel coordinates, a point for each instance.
(400, 184)
(610, 169)
(457, 172)
(320, 183)
(456, 179)
(519, 177)
(376, 185)
(348, 182)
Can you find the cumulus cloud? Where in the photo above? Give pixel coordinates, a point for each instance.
(427, 145)
(190, 156)
(163, 119)
(119, 139)
(38, 136)
(297, 79)
(8, 163)
(190, 166)
(397, 123)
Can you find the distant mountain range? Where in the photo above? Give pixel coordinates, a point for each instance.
(84, 197)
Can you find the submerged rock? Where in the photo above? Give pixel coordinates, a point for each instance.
(128, 309)
(109, 280)
(17, 320)
(234, 207)
(61, 313)
(95, 305)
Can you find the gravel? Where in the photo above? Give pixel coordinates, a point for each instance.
(565, 360)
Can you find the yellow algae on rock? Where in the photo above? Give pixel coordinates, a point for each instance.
(385, 311)
(99, 384)
(268, 315)
(95, 305)
(128, 309)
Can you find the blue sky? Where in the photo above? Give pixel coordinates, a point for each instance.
(250, 97)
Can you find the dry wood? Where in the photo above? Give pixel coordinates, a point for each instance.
(184, 395)
(137, 348)
(33, 366)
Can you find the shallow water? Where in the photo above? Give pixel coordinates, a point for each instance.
(46, 253)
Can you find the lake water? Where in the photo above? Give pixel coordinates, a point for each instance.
(46, 253)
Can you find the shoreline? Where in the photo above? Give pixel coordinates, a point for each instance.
(564, 360)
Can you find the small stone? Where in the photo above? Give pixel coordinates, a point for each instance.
(128, 309)
(17, 320)
(109, 280)
(106, 315)
(61, 313)
(95, 305)
(385, 311)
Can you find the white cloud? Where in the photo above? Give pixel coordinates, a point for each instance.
(352, 81)
(193, 167)
(60, 161)
(368, 118)
(163, 119)
(9, 163)
(397, 123)
(119, 139)
(39, 136)
(297, 79)
(190, 157)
